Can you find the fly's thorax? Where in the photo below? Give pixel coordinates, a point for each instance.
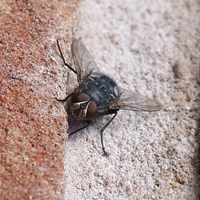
(81, 108)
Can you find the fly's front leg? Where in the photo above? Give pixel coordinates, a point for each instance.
(105, 126)
(61, 55)
(65, 99)
(79, 129)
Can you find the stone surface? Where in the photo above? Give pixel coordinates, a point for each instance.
(32, 128)
(152, 155)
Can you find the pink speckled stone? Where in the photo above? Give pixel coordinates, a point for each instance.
(32, 131)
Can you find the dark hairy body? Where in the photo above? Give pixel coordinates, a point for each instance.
(101, 89)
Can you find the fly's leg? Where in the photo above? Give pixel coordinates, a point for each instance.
(65, 63)
(105, 126)
(79, 129)
(65, 99)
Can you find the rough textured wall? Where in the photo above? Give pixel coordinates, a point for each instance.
(150, 46)
(32, 128)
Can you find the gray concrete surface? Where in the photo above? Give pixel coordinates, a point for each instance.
(151, 47)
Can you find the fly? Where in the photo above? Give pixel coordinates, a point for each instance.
(97, 94)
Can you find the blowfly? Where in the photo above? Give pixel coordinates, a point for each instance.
(97, 94)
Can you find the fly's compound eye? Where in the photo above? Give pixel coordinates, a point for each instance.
(92, 111)
(78, 106)
(80, 98)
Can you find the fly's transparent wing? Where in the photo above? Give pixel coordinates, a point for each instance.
(128, 100)
(83, 61)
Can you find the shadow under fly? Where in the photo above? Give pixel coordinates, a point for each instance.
(97, 94)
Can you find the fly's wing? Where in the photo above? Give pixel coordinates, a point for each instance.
(83, 61)
(128, 100)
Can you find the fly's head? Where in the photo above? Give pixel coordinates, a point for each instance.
(81, 108)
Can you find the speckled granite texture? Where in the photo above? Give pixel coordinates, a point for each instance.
(32, 128)
(151, 47)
